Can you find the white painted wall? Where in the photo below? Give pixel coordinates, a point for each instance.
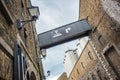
(71, 57)
(81, 45)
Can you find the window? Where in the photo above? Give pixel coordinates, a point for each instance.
(22, 5)
(25, 36)
(22, 8)
(6, 1)
(71, 78)
(93, 77)
(99, 37)
(101, 40)
(113, 58)
(6, 12)
(97, 34)
(32, 76)
(88, 78)
(99, 74)
(82, 65)
(90, 55)
(25, 33)
(78, 71)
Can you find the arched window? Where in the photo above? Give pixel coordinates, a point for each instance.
(90, 55)
(32, 76)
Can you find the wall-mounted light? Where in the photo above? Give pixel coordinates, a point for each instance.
(44, 53)
(34, 13)
(48, 73)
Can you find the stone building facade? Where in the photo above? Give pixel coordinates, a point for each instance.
(88, 66)
(63, 76)
(103, 16)
(11, 39)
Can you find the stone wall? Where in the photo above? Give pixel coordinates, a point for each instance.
(95, 73)
(10, 11)
(105, 34)
(63, 76)
(6, 67)
(86, 61)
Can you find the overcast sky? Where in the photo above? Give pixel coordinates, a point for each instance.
(55, 13)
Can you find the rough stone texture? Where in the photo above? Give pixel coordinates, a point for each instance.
(95, 73)
(105, 34)
(88, 66)
(112, 8)
(9, 31)
(6, 67)
(86, 61)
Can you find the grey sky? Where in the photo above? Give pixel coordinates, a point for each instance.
(55, 13)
